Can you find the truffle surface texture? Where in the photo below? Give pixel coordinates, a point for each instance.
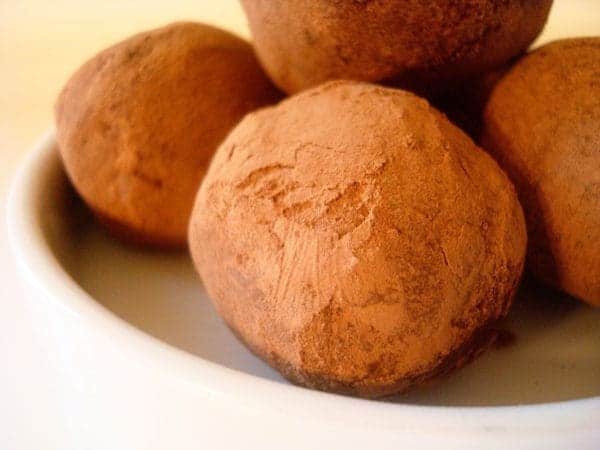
(542, 124)
(357, 240)
(424, 46)
(138, 124)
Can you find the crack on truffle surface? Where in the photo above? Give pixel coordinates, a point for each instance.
(253, 177)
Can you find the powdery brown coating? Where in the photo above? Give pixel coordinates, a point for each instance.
(542, 123)
(138, 124)
(356, 240)
(416, 44)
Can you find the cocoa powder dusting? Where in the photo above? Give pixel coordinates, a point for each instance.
(356, 240)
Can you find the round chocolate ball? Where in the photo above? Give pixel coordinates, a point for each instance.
(357, 240)
(420, 45)
(542, 124)
(138, 124)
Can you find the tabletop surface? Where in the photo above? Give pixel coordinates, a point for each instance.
(41, 43)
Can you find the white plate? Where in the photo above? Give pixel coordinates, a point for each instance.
(553, 352)
(116, 383)
(138, 359)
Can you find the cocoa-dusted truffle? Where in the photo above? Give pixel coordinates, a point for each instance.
(356, 240)
(138, 124)
(422, 45)
(542, 124)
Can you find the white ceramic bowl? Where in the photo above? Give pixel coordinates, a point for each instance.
(120, 387)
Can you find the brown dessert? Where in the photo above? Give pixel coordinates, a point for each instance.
(138, 124)
(420, 45)
(357, 240)
(542, 124)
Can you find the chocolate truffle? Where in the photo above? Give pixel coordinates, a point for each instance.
(357, 240)
(542, 124)
(420, 45)
(138, 124)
